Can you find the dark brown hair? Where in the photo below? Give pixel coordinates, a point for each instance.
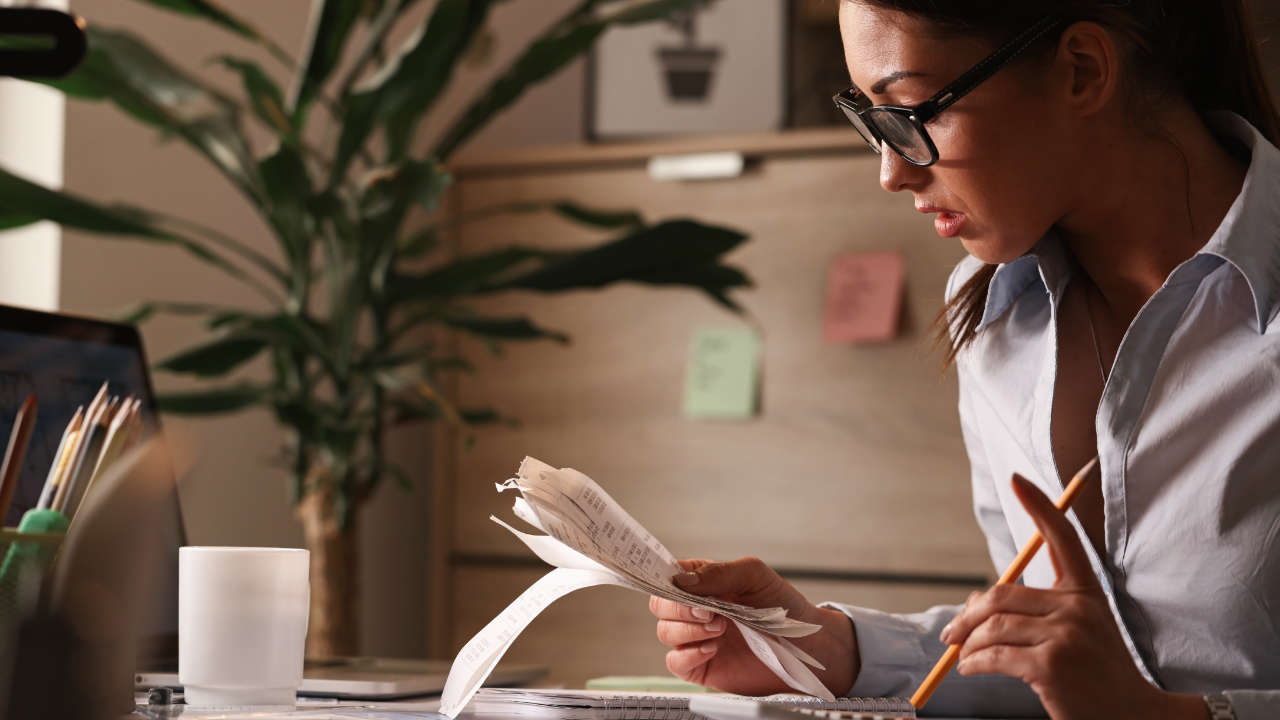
(1200, 50)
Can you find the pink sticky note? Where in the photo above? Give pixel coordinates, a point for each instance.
(864, 297)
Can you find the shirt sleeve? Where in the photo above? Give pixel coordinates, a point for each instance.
(897, 651)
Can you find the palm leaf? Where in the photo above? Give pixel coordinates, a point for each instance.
(264, 95)
(120, 67)
(403, 90)
(213, 401)
(331, 25)
(212, 12)
(22, 201)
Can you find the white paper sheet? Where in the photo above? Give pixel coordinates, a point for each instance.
(592, 541)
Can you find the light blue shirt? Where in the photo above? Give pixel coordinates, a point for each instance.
(1189, 443)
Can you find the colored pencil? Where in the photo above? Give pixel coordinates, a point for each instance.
(50, 481)
(11, 470)
(86, 457)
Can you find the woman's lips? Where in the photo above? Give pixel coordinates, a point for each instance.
(948, 224)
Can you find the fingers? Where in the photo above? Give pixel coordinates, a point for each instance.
(664, 609)
(1012, 660)
(1004, 629)
(1069, 558)
(1008, 599)
(693, 563)
(676, 633)
(739, 577)
(690, 663)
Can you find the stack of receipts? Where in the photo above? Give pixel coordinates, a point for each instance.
(592, 541)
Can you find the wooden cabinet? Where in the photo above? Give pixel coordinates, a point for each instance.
(853, 476)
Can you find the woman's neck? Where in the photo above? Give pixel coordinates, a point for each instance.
(1151, 201)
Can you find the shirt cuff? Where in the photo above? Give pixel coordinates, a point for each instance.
(893, 660)
(1254, 704)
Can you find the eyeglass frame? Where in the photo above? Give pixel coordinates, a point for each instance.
(854, 100)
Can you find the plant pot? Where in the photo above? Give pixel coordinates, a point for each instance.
(332, 629)
(688, 72)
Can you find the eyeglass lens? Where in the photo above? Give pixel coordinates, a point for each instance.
(902, 133)
(861, 127)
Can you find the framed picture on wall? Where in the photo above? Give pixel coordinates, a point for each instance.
(720, 68)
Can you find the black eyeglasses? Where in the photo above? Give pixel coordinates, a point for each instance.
(902, 128)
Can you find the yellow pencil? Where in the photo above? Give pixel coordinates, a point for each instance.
(114, 444)
(1019, 564)
(51, 480)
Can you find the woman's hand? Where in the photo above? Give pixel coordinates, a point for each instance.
(708, 649)
(1063, 642)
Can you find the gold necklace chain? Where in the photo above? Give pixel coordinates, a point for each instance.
(1093, 333)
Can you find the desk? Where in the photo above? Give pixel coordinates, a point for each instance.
(313, 709)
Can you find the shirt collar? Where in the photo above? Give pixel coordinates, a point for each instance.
(1248, 237)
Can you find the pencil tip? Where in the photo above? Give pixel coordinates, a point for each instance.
(1089, 467)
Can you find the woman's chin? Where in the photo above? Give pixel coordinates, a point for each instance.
(993, 251)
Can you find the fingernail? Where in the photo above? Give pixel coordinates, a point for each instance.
(715, 625)
(708, 647)
(687, 579)
(945, 637)
(701, 614)
(963, 666)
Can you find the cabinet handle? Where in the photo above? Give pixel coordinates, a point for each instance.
(696, 166)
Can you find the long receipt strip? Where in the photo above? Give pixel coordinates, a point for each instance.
(592, 541)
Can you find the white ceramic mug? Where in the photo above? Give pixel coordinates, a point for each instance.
(242, 624)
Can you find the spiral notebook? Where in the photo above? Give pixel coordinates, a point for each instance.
(623, 705)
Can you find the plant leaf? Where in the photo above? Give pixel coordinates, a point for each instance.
(675, 252)
(566, 40)
(212, 401)
(23, 200)
(387, 195)
(215, 358)
(664, 254)
(214, 13)
(122, 68)
(139, 313)
(468, 274)
(407, 85)
(596, 217)
(509, 328)
(332, 21)
(287, 189)
(263, 93)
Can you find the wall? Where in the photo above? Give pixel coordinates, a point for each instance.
(233, 495)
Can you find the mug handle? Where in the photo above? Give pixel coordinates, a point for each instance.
(23, 45)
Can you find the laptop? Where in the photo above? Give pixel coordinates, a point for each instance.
(63, 360)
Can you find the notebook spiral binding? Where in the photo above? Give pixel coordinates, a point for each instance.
(642, 707)
(636, 707)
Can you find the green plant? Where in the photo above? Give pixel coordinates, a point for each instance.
(350, 288)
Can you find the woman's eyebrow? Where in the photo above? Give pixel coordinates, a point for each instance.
(892, 78)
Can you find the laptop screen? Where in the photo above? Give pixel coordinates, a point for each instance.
(63, 361)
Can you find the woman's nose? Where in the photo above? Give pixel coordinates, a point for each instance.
(898, 174)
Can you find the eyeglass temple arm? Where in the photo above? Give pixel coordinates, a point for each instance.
(979, 73)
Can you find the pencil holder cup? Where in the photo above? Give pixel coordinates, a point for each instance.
(28, 552)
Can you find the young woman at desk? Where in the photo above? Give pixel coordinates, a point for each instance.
(1111, 169)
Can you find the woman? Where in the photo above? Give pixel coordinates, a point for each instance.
(1111, 169)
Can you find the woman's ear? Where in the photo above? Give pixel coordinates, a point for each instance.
(1091, 60)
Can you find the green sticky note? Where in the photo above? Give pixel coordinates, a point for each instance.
(723, 373)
